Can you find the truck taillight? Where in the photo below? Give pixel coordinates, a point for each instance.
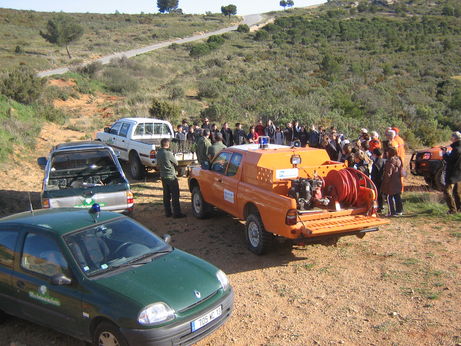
(152, 154)
(129, 197)
(46, 204)
(292, 217)
(426, 156)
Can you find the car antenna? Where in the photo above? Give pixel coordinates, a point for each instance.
(94, 211)
(30, 205)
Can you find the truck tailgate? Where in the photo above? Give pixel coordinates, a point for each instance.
(339, 222)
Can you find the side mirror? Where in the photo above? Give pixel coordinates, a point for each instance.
(166, 238)
(206, 165)
(42, 162)
(107, 129)
(60, 279)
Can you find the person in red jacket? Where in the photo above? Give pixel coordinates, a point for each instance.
(260, 129)
(374, 142)
(400, 144)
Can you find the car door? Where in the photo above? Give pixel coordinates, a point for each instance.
(121, 141)
(225, 181)
(8, 254)
(56, 306)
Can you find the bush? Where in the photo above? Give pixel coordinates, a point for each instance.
(164, 110)
(244, 28)
(262, 35)
(89, 70)
(119, 80)
(22, 85)
(216, 39)
(176, 92)
(199, 50)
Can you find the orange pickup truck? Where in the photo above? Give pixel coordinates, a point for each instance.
(297, 194)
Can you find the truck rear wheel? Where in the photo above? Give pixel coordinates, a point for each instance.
(259, 240)
(136, 167)
(199, 206)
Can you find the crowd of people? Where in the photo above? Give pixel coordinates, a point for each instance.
(381, 160)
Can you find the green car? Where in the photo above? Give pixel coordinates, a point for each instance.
(104, 278)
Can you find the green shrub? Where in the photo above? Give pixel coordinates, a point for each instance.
(199, 50)
(119, 80)
(244, 28)
(164, 110)
(22, 85)
(216, 39)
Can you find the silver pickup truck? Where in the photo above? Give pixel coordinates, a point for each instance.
(79, 174)
(138, 139)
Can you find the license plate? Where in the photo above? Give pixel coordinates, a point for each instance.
(204, 320)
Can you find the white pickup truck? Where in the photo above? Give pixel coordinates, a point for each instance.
(137, 140)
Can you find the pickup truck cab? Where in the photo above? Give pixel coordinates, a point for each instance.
(295, 193)
(138, 139)
(79, 174)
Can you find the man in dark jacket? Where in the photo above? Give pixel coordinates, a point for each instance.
(227, 136)
(452, 190)
(239, 134)
(217, 146)
(314, 137)
(202, 146)
(377, 174)
(167, 163)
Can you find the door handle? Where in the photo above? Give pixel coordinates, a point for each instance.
(219, 181)
(21, 284)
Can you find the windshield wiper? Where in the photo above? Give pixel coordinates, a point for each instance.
(148, 255)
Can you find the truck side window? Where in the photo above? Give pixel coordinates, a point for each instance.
(234, 164)
(7, 245)
(219, 164)
(124, 129)
(139, 130)
(42, 255)
(115, 128)
(149, 129)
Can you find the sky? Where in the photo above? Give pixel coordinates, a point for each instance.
(244, 7)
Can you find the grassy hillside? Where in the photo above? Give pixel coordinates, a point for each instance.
(104, 34)
(339, 64)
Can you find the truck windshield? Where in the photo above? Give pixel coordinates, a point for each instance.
(112, 245)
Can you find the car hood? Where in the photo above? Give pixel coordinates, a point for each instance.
(173, 278)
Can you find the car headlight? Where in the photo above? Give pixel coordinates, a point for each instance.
(223, 279)
(156, 313)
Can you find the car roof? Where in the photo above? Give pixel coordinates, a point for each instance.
(142, 120)
(80, 145)
(253, 147)
(60, 220)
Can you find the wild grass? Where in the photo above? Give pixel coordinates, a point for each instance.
(104, 35)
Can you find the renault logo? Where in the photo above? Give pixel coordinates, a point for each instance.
(198, 294)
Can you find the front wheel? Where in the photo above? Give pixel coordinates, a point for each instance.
(107, 334)
(136, 167)
(259, 240)
(199, 206)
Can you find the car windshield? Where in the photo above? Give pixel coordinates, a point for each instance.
(112, 245)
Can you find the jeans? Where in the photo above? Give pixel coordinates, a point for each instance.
(452, 194)
(171, 192)
(395, 204)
